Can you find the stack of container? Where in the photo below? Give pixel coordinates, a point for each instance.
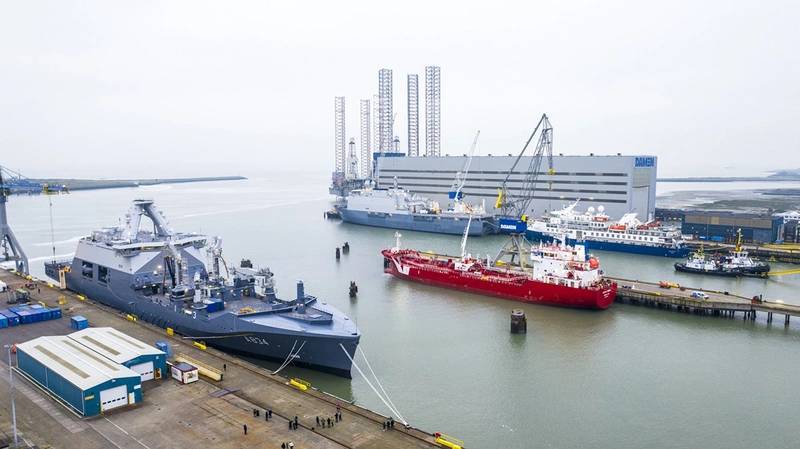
(27, 314)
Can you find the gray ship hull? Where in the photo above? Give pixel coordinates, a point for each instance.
(227, 332)
(441, 224)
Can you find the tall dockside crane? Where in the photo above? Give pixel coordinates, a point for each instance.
(9, 245)
(15, 183)
(514, 204)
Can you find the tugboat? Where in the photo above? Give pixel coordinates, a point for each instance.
(737, 263)
(553, 274)
(180, 281)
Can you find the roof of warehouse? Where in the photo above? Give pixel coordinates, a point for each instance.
(77, 364)
(113, 344)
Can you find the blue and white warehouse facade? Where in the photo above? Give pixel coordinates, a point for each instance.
(148, 361)
(80, 378)
(619, 183)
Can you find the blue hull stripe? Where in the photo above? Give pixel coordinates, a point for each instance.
(600, 245)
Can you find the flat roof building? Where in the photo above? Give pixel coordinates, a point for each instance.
(621, 184)
(77, 376)
(147, 360)
(722, 226)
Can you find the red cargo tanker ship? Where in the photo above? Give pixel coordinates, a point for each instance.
(552, 274)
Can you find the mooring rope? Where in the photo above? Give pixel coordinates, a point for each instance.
(377, 393)
(364, 355)
(290, 357)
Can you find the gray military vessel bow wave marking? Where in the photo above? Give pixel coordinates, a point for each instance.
(174, 280)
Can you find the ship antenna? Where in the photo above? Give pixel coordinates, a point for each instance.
(738, 240)
(464, 239)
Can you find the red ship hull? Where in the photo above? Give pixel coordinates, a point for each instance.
(409, 265)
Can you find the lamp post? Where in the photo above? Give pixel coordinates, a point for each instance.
(13, 406)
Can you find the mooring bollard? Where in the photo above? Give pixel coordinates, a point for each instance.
(519, 324)
(338, 253)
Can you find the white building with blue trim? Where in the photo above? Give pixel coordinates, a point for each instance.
(78, 377)
(147, 360)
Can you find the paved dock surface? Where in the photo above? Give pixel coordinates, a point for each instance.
(194, 415)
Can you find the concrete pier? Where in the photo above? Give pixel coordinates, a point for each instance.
(716, 304)
(202, 414)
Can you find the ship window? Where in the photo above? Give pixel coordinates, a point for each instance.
(102, 274)
(87, 269)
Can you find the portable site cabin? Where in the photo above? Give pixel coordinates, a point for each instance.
(148, 361)
(77, 376)
(184, 373)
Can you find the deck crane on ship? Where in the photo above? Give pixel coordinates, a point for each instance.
(456, 194)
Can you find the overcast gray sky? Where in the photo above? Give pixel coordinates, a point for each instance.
(140, 89)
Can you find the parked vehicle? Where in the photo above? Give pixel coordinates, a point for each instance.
(699, 295)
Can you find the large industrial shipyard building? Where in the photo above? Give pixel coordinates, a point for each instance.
(620, 184)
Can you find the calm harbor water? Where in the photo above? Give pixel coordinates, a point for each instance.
(628, 377)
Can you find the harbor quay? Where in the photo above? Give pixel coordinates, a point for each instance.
(699, 301)
(204, 413)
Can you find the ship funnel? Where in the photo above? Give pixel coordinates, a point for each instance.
(301, 295)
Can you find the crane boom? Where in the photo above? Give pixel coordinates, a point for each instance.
(514, 206)
(10, 248)
(461, 177)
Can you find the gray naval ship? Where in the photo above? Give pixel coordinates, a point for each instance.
(180, 281)
(396, 208)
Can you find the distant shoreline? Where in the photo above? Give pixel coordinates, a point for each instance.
(95, 184)
(731, 179)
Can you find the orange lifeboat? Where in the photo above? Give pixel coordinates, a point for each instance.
(594, 263)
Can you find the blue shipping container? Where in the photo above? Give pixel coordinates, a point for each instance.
(214, 305)
(13, 318)
(24, 316)
(78, 322)
(3, 321)
(164, 346)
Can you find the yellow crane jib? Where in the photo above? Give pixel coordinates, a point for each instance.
(499, 203)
